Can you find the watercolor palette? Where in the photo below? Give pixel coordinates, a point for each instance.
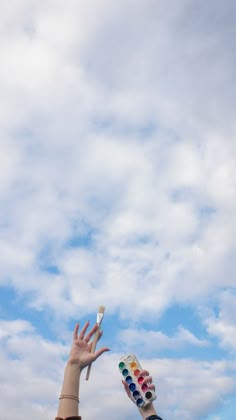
(130, 369)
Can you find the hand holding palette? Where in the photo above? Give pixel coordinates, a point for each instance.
(131, 371)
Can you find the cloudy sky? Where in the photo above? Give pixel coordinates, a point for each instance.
(118, 188)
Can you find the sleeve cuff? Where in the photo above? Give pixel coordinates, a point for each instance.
(70, 418)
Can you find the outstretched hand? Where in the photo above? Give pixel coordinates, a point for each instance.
(81, 346)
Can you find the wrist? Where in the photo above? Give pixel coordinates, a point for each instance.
(147, 411)
(74, 366)
(71, 379)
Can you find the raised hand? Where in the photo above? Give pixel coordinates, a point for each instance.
(81, 346)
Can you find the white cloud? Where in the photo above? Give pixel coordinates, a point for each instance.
(29, 372)
(9, 328)
(117, 124)
(184, 387)
(222, 325)
(149, 341)
(65, 170)
(201, 383)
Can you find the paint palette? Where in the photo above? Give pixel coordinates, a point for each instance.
(130, 370)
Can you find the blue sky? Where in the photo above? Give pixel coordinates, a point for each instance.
(117, 188)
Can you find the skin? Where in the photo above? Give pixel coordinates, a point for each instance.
(80, 357)
(149, 409)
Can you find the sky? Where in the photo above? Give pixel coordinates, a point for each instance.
(118, 188)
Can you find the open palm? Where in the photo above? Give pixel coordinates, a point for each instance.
(81, 346)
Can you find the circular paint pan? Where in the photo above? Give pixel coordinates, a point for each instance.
(125, 372)
(139, 402)
(140, 379)
(144, 387)
(121, 365)
(128, 380)
(136, 372)
(132, 387)
(148, 395)
(133, 365)
(136, 394)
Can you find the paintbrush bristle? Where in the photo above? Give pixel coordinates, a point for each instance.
(101, 309)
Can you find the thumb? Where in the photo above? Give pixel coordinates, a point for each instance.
(99, 352)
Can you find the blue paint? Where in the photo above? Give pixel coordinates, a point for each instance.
(132, 387)
(128, 380)
(136, 394)
(140, 402)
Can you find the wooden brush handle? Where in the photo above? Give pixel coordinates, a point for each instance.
(93, 347)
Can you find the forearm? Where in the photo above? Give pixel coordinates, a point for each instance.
(68, 406)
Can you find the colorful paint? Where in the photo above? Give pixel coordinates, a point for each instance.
(128, 380)
(131, 372)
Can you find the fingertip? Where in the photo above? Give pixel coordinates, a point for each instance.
(144, 372)
(75, 332)
(76, 327)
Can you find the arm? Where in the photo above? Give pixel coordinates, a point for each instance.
(80, 357)
(148, 410)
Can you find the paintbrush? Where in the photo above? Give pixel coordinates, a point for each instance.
(100, 315)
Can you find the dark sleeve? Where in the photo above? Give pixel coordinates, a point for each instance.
(70, 418)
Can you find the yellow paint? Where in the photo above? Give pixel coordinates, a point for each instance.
(133, 365)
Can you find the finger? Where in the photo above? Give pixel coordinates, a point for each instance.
(147, 380)
(144, 372)
(99, 352)
(127, 390)
(87, 338)
(83, 331)
(126, 387)
(91, 332)
(75, 333)
(152, 386)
